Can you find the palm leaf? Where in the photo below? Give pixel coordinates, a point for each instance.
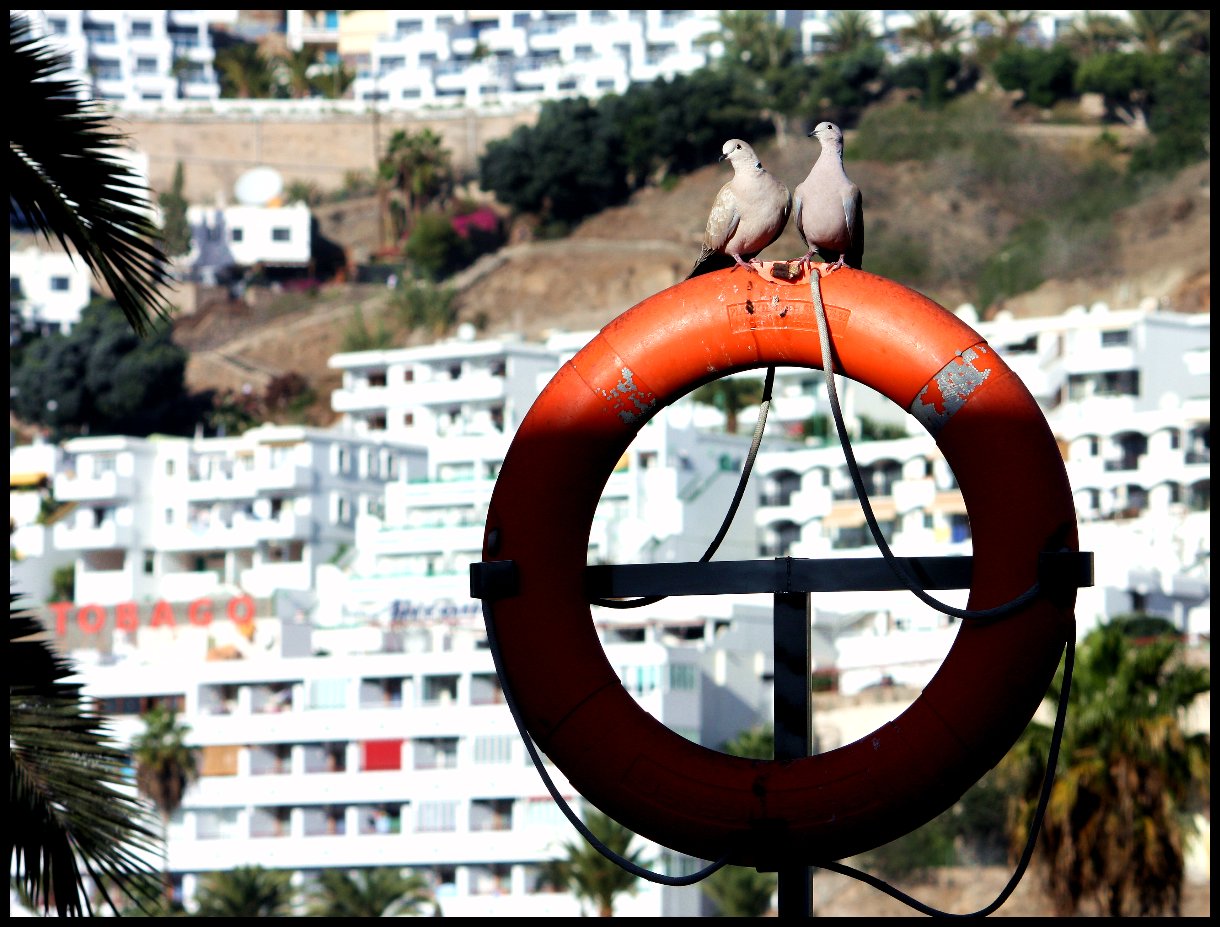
(66, 181)
(71, 811)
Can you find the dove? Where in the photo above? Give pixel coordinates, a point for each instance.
(749, 213)
(829, 209)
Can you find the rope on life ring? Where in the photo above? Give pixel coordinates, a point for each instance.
(830, 806)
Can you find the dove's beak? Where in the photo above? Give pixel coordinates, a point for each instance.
(722, 157)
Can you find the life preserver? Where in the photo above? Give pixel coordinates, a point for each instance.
(829, 806)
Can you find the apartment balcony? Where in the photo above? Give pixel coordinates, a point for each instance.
(410, 540)
(291, 476)
(81, 533)
(265, 579)
(188, 585)
(221, 486)
(349, 851)
(287, 526)
(104, 587)
(77, 488)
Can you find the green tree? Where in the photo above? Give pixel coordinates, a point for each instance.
(757, 743)
(1128, 780)
(730, 395)
(244, 72)
(847, 83)
(418, 165)
(931, 31)
(739, 891)
(70, 812)
(1044, 75)
(297, 65)
(418, 304)
(333, 81)
(371, 892)
(66, 180)
(589, 875)
(848, 31)
(1126, 81)
(175, 227)
(165, 766)
(764, 60)
(246, 891)
(567, 166)
(1159, 31)
(434, 246)
(1093, 33)
(103, 378)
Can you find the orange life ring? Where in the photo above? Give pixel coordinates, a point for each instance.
(829, 806)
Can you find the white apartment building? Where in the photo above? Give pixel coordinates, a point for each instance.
(348, 709)
(416, 59)
(226, 238)
(1127, 393)
(176, 520)
(134, 57)
(47, 289)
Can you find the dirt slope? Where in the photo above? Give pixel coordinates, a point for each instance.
(620, 257)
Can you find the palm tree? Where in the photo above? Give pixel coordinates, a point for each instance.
(931, 31)
(70, 815)
(297, 65)
(730, 395)
(1160, 31)
(245, 73)
(246, 891)
(849, 30)
(589, 875)
(1093, 33)
(1129, 776)
(418, 165)
(765, 58)
(373, 892)
(165, 766)
(739, 891)
(66, 182)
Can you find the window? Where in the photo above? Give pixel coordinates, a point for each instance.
(281, 234)
(237, 235)
(434, 752)
(141, 29)
(328, 693)
(436, 816)
(1115, 338)
(493, 749)
(60, 284)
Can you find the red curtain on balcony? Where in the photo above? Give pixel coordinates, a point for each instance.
(382, 754)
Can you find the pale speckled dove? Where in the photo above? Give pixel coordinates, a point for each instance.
(749, 213)
(829, 211)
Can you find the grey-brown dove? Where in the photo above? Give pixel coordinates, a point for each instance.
(829, 209)
(749, 213)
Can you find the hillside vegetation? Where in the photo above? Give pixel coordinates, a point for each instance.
(933, 224)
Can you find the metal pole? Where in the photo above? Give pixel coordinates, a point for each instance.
(793, 725)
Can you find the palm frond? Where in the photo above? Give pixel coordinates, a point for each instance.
(66, 181)
(71, 811)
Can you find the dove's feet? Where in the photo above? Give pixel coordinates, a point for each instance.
(825, 270)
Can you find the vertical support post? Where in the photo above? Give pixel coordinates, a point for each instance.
(793, 724)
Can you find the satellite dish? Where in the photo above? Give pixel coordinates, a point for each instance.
(258, 186)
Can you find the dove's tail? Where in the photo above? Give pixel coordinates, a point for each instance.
(711, 261)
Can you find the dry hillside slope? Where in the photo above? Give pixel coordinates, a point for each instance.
(620, 257)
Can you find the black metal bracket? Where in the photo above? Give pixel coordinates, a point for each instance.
(498, 579)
